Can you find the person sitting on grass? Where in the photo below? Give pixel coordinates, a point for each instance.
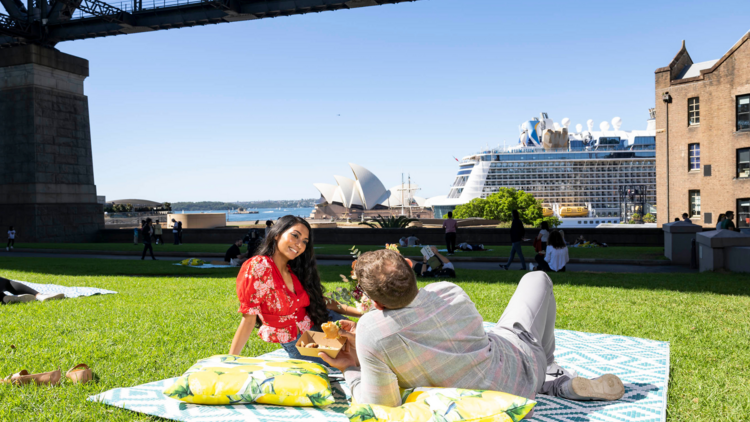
(234, 255)
(435, 266)
(20, 292)
(412, 241)
(556, 255)
(434, 337)
(280, 289)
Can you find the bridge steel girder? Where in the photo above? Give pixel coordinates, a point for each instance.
(12, 9)
(18, 28)
(62, 28)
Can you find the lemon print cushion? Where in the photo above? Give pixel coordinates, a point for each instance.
(229, 379)
(194, 262)
(446, 405)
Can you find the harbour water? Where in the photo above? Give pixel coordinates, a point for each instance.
(262, 215)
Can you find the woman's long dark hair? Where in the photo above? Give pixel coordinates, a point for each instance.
(556, 240)
(303, 266)
(545, 225)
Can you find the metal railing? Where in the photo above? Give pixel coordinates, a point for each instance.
(130, 6)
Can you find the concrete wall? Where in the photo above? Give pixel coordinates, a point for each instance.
(198, 221)
(359, 236)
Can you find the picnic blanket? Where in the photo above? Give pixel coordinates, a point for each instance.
(643, 366)
(69, 292)
(204, 266)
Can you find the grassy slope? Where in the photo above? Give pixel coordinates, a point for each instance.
(614, 252)
(158, 325)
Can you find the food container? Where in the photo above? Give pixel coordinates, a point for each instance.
(333, 345)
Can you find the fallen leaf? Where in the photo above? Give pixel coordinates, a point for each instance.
(12, 346)
(695, 400)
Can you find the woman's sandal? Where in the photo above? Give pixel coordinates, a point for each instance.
(80, 374)
(23, 377)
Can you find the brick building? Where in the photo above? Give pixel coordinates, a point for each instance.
(703, 137)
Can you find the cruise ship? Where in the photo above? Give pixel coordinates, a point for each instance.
(584, 177)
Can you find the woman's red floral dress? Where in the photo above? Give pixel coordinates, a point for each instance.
(262, 291)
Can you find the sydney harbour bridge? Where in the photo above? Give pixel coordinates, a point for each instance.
(47, 189)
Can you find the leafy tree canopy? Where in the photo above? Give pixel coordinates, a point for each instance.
(499, 206)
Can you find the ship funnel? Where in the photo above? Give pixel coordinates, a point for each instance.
(604, 126)
(617, 123)
(579, 128)
(590, 124)
(566, 122)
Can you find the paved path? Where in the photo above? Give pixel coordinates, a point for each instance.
(604, 268)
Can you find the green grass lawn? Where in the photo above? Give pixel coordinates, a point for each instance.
(164, 318)
(613, 252)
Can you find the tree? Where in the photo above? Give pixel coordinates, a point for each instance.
(649, 218)
(167, 206)
(500, 205)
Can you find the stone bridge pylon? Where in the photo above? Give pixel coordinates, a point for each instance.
(47, 189)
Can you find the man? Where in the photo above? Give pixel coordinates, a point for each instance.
(686, 218)
(234, 254)
(728, 223)
(412, 241)
(450, 233)
(146, 231)
(175, 232)
(434, 337)
(179, 231)
(517, 231)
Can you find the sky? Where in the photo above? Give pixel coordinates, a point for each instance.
(263, 109)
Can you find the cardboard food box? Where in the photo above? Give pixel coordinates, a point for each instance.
(333, 345)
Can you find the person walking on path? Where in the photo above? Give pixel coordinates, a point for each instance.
(269, 224)
(450, 233)
(158, 233)
(517, 232)
(175, 232)
(146, 231)
(20, 292)
(11, 239)
(179, 231)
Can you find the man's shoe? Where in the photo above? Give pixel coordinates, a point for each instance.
(554, 371)
(607, 387)
(19, 298)
(503, 266)
(42, 297)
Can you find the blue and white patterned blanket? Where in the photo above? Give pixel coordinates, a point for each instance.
(68, 291)
(643, 366)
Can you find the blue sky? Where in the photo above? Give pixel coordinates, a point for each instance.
(250, 110)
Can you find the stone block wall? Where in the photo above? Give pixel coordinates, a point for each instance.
(47, 189)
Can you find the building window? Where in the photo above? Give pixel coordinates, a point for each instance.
(743, 163)
(743, 112)
(694, 111)
(743, 213)
(694, 156)
(695, 203)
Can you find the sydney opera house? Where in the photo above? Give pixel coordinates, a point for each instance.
(365, 196)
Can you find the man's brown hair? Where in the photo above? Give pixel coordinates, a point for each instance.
(387, 278)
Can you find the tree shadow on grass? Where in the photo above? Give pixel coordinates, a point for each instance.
(708, 282)
(109, 267)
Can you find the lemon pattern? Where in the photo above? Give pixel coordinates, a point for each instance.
(446, 405)
(229, 379)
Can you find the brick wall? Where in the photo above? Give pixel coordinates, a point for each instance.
(717, 89)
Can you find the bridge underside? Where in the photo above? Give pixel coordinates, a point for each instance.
(54, 21)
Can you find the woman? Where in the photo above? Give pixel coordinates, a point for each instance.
(146, 230)
(556, 255)
(280, 289)
(20, 292)
(722, 217)
(544, 234)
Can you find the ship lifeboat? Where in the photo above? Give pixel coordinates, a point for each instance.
(574, 212)
(547, 212)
